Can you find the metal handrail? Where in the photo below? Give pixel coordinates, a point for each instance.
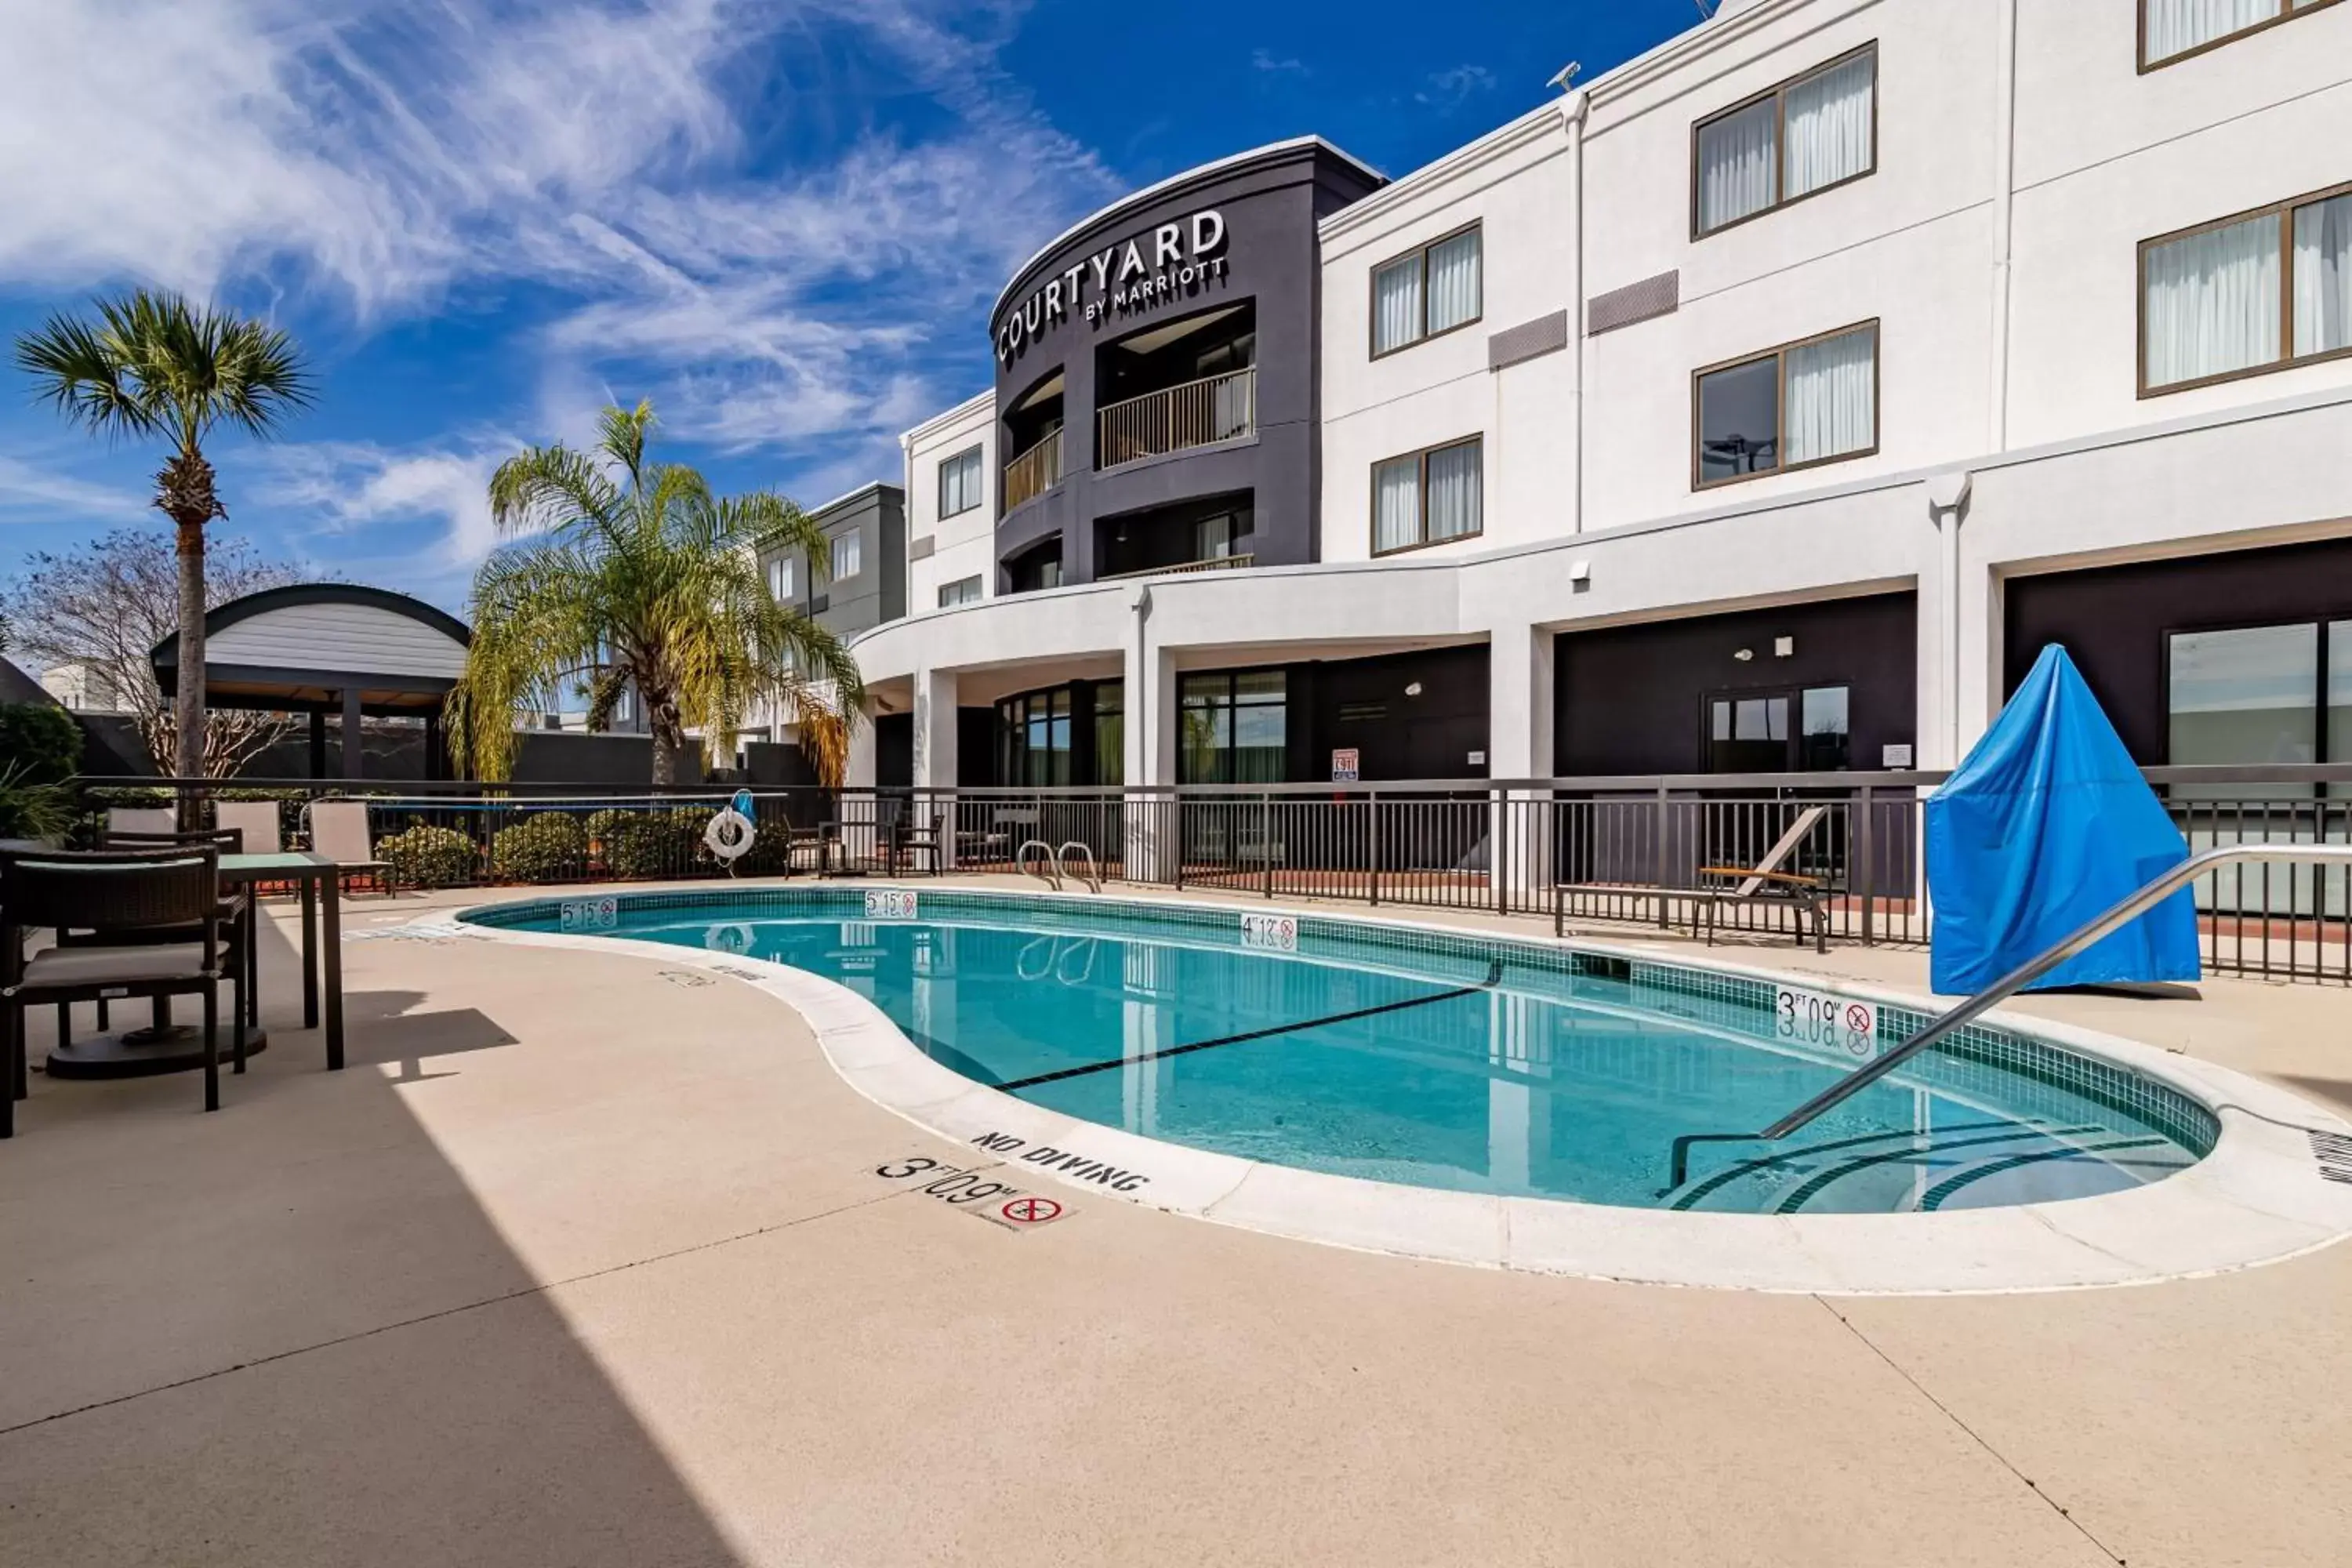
(1053, 872)
(1092, 876)
(2123, 914)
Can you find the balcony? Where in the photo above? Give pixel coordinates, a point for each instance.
(1192, 414)
(1035, 471)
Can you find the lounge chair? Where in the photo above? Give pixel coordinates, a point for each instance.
(1765, 883)
(254, 822)
(339, 830)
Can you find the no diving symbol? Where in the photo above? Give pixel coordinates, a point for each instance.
(1030, 1211)
(1858, 1018)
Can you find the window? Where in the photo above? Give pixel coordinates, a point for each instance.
(846, 554)
(962, 591)
(1233, 727)
(1034, 739)
(1429, 498)
(960, 483)
(1223, 536)
(2172, 30)
(1808, 403)
(2250, 294)
(1110, 733)
(1434, 290)
(780, 579)
(1749, 732)
(2252, 695)
(1798, 140)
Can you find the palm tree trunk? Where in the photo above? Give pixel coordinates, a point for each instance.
(189, 710)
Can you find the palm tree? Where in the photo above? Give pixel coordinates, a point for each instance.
(635, 572)
(155, 366)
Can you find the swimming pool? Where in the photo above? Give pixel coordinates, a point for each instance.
(1439, 1060)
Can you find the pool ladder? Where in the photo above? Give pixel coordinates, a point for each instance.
(2127, 910)
(1051, 869)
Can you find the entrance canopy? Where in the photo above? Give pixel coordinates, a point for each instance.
(329, 647)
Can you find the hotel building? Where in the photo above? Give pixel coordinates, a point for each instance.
(1764, 404)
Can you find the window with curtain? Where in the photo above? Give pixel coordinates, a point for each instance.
(2171, 28)
(960, 482)
(847, 554)
(962, 591)
(1806, 135)
(1807, 403)
(2248, 294)
(1435, 290)
(1428, 498)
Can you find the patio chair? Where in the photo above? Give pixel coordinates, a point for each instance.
(147, 819)
(109, 894)
(254, 822)
(235, 910)
(908, 839)
(1765, 883)
(339, 830)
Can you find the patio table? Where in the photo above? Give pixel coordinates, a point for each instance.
(175, 1048)
(322, 949)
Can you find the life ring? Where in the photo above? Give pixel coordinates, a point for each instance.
(729, 835)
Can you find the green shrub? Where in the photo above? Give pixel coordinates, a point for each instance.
(650, 843)
(426, 856)
(39, 744)
(28, 810)
(549, 847)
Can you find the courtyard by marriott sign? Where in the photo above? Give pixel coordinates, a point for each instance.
(1120, 280)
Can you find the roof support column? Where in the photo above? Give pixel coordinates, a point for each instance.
(318, 743)
(354, 744)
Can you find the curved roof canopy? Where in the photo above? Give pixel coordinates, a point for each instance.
(301, 647)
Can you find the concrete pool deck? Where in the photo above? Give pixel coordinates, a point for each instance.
(585, 1261)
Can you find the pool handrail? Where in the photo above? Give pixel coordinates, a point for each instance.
(1092, 875)
(2146, 896)
(1052, 858)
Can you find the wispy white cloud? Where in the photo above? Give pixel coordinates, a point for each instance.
(32, 493)
(1450, 89)
(349, 487)
(387, 156)
(1266, 62)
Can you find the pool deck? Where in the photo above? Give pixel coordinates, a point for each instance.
(585, 1261)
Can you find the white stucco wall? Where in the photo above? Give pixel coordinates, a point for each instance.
(963, 546)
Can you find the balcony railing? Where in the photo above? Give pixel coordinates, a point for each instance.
(1196, 414)
(1215, 563)
(1035, 471)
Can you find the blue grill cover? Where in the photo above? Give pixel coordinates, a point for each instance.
(2047, 824)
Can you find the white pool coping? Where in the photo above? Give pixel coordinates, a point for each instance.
(2257, 1198)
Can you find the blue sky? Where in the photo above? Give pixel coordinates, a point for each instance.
(782, 220)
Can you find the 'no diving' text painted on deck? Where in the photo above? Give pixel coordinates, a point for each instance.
(1076, 1167)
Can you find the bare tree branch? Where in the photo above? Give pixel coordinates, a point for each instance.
(106, 604)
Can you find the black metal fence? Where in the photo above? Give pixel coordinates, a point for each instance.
(1582, 852)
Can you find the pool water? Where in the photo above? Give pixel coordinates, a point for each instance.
(1492, 1074)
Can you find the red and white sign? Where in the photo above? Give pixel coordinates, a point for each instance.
(1346, 766)
(1029, 1210)
(1270, 934)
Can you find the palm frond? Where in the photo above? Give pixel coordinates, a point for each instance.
(74, 366)
(620, 436)
(553, 490)
(153, 363)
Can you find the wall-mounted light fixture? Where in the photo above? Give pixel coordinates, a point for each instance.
(1414, 689)
(1745, 655)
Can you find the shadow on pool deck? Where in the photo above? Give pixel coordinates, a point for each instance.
(287, 1333)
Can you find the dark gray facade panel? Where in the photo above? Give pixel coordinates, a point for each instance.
(878, 592)
(1265, 255)
(1528, 340)
(1642, 301)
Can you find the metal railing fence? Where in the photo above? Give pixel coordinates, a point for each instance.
(1194, 414)
(1584, 852)
(1035, 471)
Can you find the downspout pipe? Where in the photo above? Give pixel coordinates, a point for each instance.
(2004, 201)
(1573, 111)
